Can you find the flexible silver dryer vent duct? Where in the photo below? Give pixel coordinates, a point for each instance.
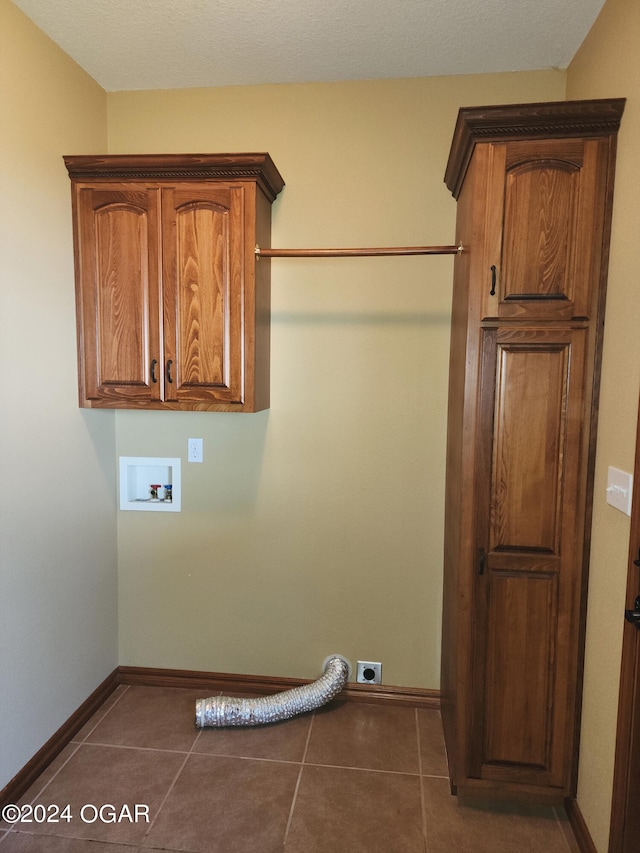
(221, 711)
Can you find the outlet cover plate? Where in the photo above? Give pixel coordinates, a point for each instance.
(369, 672)
(194, 449)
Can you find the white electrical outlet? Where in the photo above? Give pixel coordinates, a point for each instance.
(369, 672)
(194, 449)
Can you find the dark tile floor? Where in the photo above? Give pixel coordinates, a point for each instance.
(348, 778)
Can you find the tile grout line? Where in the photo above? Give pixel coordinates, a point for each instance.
(75, 743)
(166, 796)
(362, 769)
(423, 808)
(104, 716)
(298, 780)
(172, 785)
(77, 746)
(101, 745)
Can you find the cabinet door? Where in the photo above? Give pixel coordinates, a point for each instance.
(118, 302)
(528, 530)
(550, 195)
(203, 297)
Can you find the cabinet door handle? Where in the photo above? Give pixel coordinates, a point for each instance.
(633, 616)
(480, 561)
(169, 377)
(492, 292)
(154, 378)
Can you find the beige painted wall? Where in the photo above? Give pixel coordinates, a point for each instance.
(607, 66)
(315, 527)
(57, 509)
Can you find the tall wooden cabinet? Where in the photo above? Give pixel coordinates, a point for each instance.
(534, 187)
(173, 306)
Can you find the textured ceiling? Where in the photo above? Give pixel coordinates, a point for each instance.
(167, 44)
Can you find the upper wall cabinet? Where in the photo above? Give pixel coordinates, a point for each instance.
(173, 308)
(541, 205)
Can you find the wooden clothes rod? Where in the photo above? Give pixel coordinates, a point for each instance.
(357, 253)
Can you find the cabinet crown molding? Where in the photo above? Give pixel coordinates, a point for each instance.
(257, 167)
(547, 120)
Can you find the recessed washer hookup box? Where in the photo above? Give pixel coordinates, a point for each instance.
(150, 483)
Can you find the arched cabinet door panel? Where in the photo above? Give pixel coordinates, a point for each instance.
(118, 299)
(547, 249)
(204, 293)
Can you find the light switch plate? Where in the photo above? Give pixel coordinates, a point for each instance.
(619, 489)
